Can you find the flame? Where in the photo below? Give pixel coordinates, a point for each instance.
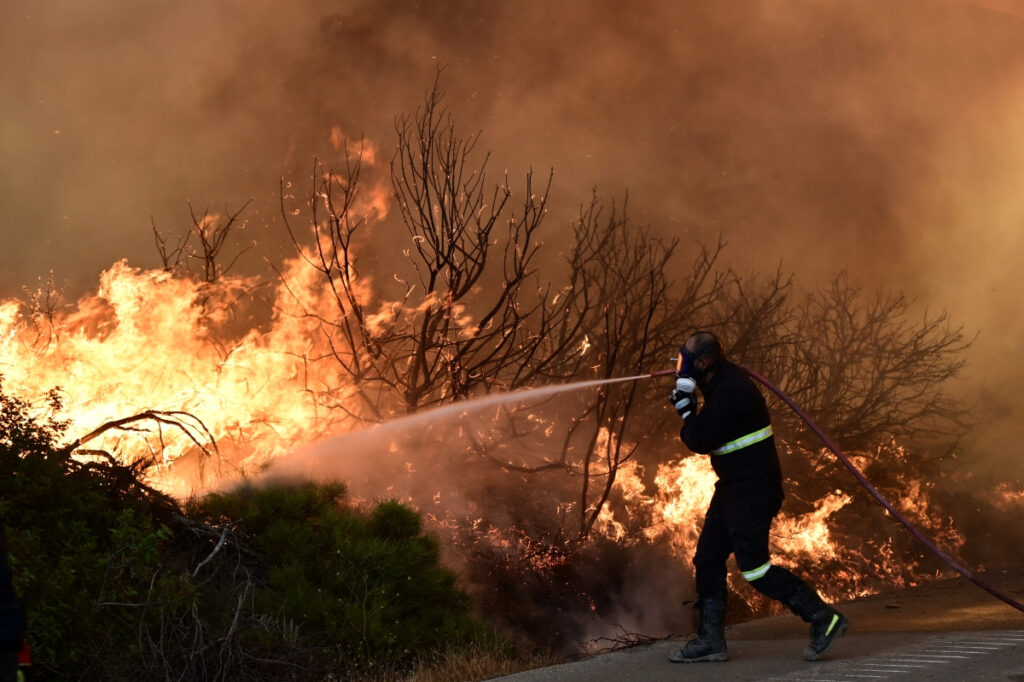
(148, 340)
(152, 340)
(1008, 499)
(672, 515)
(363, 149)
(676, 511)
(808, 537)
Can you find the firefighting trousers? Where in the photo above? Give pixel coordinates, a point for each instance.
(739, 523)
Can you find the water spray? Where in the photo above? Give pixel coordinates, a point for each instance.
(845, 461)
(303, 461)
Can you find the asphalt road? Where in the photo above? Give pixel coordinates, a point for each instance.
(946, 630)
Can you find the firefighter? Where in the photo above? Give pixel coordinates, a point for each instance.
(733, 428)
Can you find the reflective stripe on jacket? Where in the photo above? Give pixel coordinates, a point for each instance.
(734, 426)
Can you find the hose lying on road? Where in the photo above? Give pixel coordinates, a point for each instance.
(878, 496)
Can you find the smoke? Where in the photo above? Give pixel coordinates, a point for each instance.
(812, 133)
(875, 137)
(509, 533)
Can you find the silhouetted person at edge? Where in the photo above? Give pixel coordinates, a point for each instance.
(734, 428)
(12, 618)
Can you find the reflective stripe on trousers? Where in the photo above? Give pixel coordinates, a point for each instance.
(755, 573)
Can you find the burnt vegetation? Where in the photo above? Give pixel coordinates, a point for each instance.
(486, 296)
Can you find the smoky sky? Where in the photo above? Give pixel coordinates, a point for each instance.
(879, 137)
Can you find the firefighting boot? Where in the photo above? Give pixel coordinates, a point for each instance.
(827, 624)
(709, 644)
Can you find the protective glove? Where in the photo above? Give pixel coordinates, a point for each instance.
(683, 397)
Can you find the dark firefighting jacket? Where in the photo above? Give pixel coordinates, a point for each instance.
(733, 428)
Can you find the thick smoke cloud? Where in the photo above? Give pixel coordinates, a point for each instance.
(876, 137)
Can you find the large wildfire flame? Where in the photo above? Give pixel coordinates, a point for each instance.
(673, 515)
(147, 340)
(153, 340)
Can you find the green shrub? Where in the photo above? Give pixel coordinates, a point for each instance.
(371, 585)
(78, 542)
(283, 582)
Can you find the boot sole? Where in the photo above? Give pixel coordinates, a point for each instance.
(812, 655)
(710, 658)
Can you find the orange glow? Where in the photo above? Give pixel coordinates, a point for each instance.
(806, 544)
(149, 340)
(675, 514)
(1006, 498)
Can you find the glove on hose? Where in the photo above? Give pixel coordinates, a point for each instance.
(683, 397)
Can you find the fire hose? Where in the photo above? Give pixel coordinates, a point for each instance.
(845, 461)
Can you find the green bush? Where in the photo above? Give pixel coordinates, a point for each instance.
(370, 584)
(287, 582)
(79, 540)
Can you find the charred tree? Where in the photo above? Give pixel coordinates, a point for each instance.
(479, 307)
